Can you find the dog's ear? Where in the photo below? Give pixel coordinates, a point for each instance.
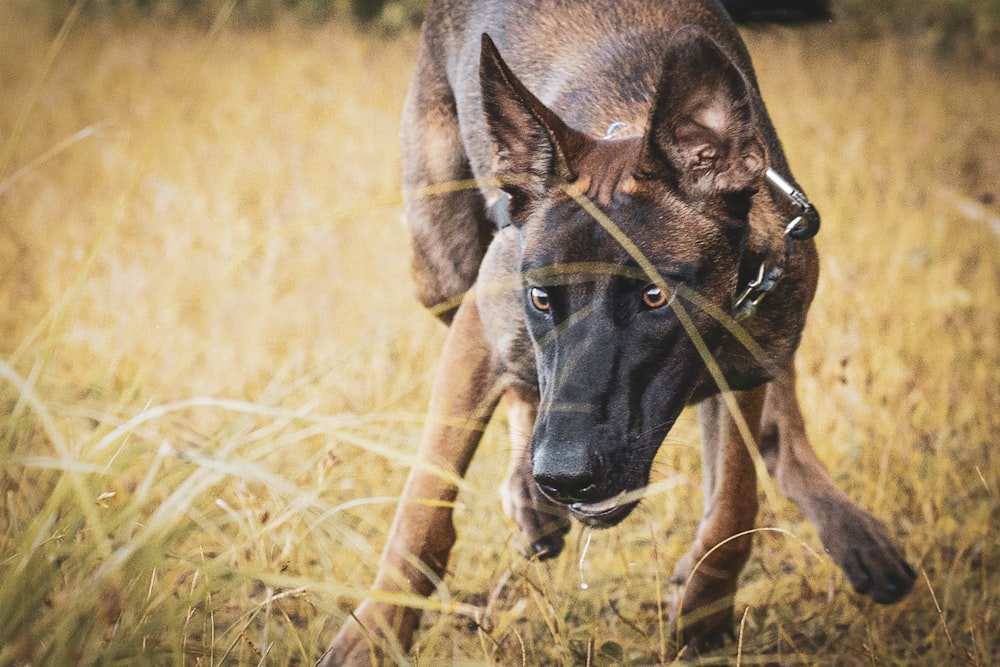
(702, 127)
(532, 146)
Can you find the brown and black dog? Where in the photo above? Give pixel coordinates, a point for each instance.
(632, 208)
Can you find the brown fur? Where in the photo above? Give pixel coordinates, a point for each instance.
(685, 184)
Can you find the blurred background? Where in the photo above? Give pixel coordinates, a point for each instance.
(213, 371)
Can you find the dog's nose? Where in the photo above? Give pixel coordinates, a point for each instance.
(566, 467)
(569, 488)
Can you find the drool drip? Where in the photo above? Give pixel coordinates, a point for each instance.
(583, 556)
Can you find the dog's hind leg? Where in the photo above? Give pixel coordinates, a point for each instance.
(464, 395)
(445, 211)
(542, 523)
(855, 540)
(709, 571)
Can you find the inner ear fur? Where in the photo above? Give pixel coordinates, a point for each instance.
(702, 129)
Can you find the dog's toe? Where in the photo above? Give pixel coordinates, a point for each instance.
(542, 526)
(871, 560)
(896, 584)
(541, 540)
(858, 575)
(547, 547)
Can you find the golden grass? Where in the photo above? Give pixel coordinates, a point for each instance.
(213, 370)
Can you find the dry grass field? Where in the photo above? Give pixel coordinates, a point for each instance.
(212, 370)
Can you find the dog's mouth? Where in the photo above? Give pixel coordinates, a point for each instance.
(605, 513)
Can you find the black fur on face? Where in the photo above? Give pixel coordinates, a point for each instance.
(615, 365)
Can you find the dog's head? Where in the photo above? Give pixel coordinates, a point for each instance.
(612, 231)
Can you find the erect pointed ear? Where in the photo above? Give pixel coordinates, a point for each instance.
(532, 146)
(702, 126)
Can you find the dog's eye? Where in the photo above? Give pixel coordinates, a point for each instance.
(539, 299)
(654, 297)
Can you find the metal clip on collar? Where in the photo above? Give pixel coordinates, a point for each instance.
(803, 226)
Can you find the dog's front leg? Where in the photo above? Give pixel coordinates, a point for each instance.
(709, 571)
(542, 522)
(857, 541)
(463, 397)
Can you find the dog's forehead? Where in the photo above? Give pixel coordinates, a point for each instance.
(605, 169)
(656, 222)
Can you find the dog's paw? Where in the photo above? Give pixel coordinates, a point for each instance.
(706, 589)
(543, 532)
(702, 608)
(860, 545)
(543, 524)
(351, 648)
(549, 545)
(372, 632)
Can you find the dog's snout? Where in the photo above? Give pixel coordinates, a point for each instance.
(568, 479)
(569, 489)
